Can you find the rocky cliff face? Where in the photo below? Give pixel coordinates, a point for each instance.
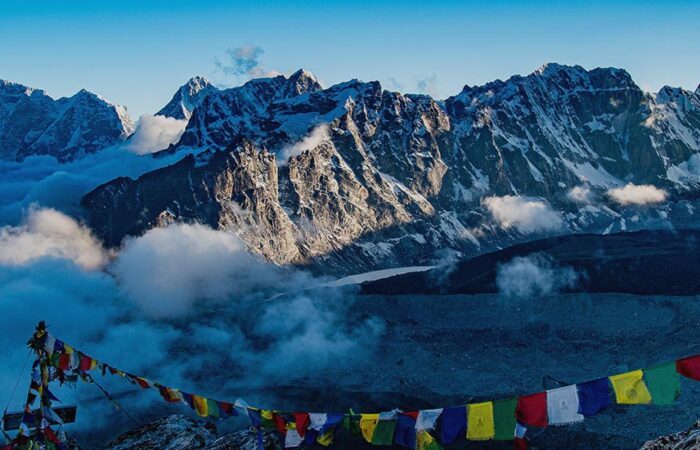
(354, 176)
(32, 123)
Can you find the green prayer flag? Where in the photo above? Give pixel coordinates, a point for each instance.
(504, 419)
(384, 432)
(664, 383)
(212, 409)
(351, 422)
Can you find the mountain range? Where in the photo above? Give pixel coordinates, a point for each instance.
(354, 176)
(33, 123)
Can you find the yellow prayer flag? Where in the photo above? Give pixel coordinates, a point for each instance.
(480, 426)
(325, 439)
(200, 405)
(266, 414)
(424, 440)
(67, 349)
(368, 422)
(630, 388)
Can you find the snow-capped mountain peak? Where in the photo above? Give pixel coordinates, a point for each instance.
(187, 98)
(33, 123)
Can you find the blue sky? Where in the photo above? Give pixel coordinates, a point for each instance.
(136, 53)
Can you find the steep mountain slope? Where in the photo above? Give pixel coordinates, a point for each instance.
(187, 98)
(355, 176)
(32, 123)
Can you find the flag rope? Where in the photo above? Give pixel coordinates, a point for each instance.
(504, 419)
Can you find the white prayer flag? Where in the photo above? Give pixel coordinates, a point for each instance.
(427, 419)
(562, 406)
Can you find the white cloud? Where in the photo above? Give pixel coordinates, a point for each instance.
(48, 233)
(581, 194)
(245, 62)
(533, 276)
(633, 194)
(317, 136)
(167, 269)
(155, 133)
(526, 214)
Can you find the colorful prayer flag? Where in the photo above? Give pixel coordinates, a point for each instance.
(480, 426)
(351, 422)
(227, 409)
(630, 388)
(532, 410)
(292, 439)
(664, 383)
(593, 397)
(405, 434)
(200, 405)
(504, 419)
(562, 406)
(325, 437)
(255, 417)
(453, 423)
(384, 431)
(425, 441)
(316, 421)
(302, 422)
(427, 418)
(368, 422)
(689, 367)
(213, 409)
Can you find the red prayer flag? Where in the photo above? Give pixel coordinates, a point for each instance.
(280, 423)
(302, 420)
(51, 436)
(142, 382)
(689, 367)
(412, 414)
(85, 363)
(227, 409)
(520, 444)
(532, 410)
(64, 361)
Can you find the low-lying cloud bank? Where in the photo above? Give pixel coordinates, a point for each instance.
(48, 233)
(633, 194)
(534, 275)
(155, 133)
(185, 305)
(523, 213)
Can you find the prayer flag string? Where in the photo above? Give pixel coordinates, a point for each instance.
(505, 419)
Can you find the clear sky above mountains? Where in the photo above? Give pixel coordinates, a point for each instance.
(137, 53)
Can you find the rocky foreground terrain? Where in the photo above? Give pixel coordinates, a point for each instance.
(179, 432)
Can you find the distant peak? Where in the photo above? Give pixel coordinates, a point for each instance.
(186, 98)
(697, 91)
(304, 81)
(198, 83)
(548, 69)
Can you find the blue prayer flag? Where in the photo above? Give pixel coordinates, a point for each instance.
(254, 416)
(593, 397)
(453, 423)
(405, 434)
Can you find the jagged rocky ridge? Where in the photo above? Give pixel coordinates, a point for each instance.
(33, 123)
(354, 176)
